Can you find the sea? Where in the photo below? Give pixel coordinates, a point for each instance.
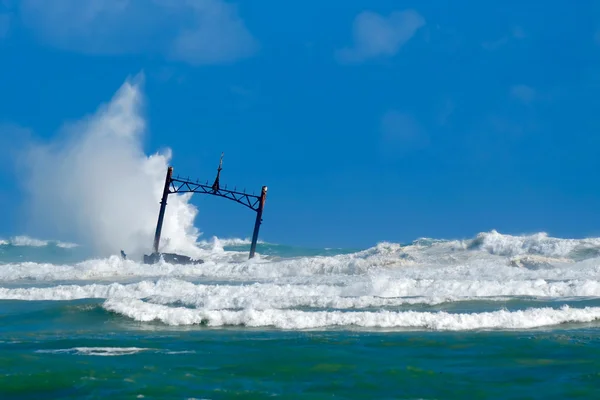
(494, 316)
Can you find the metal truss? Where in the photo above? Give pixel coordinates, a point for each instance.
(179, 185)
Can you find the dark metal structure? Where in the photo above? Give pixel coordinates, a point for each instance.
(178, 185)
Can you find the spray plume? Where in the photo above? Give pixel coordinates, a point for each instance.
(95, 184)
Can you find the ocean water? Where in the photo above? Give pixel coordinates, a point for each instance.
(492, 317)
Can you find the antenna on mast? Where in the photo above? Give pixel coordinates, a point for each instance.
(215, 186)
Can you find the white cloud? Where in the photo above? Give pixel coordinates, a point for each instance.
(518, 32)
(523, 93)
(376, 35)
(218, 34)
(193, 31)
(401, 132)
(5, 22)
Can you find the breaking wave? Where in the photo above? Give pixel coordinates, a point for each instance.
(390, 285)
(537, 244)
(358, 293)
(295, 319)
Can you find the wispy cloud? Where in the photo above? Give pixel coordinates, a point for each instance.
(516, 33)
(5, 23)
(402, 133)
(523, 93)
(376, 35)
(445, 112)
(193, 31)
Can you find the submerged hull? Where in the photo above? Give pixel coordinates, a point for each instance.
(170, 258)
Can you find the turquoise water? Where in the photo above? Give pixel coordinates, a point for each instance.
(249, 363)
(498, 317)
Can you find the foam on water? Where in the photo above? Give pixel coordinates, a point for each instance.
(356, 294)
(440, 261)
(216, 242)
(539, 244)
(336, 291)
(26, 241)
(255, 296)
(295, 319)
(97, 351)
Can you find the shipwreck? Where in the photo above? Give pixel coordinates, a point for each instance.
(179, 185)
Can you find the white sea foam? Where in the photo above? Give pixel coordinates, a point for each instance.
(112, 351)
(355, 294)
(438, 261)
(26, 241)
(256, 296)
(294, 319)
(97, 351)
(66, 245)
(224, 242)
(539, 244)
(292, 293)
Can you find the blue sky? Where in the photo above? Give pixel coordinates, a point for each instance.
(368, 120)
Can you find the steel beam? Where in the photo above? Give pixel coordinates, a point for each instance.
(163, 206)
(259, 212)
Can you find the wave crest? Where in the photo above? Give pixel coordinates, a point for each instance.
(294, 319)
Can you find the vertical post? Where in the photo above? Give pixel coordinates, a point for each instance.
(261, 206)
(163, 206)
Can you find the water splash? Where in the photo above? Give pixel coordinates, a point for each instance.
(94, 183)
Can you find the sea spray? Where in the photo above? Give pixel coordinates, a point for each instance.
(95, 184)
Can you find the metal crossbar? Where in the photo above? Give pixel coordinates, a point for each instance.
(187, 186)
